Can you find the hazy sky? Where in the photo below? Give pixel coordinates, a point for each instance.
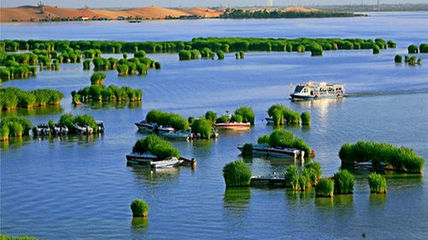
(189, 3)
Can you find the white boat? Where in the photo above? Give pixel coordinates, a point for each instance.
(59, 130)
(146, 126)
(83, 129)
(265, 149)
(233, 126)
(315, 90)
(151, 160)
(179, 135)
(41, 129)
(165, 129)
(172, 162)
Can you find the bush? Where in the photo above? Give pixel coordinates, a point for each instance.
(106, 94)
(401, 159)
(398, 59)
(236, 174)
(412, 49)
(263, 139)
(376, 49)
(139, 208)
(158, 65)
(167, 119)
(313, 171)
(87, 64)
(212, 116)
(304, 182)
(14, 127)
(156, 146)
(292, 177)
(246, 113)
(343, 182)
(184, 55)
(306, 118)
(281, 138)
(391, 44)
(377, 183)
(241, 54)
(203, 127)
(247, 150)
(423, 48)
(222, 119)
(98, 78)
(220, 55)
(324, 188)
(316, 50)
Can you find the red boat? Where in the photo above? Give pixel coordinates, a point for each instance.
(233, 126)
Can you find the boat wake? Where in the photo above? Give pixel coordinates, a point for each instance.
(386, 93)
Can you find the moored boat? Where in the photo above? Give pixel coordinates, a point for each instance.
(146, 126)
(100, 125)
(165, 129)
(233, 126)
(315, 90)
(269, 120)
(83, 129)
(151, 160)
(179, 135)
(266, 150)
(172, 162)
(59, 130)
(41, 129)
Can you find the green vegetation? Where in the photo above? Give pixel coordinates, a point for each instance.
(98, 78)
(313, 171)
(168, 119)
(413, 49)
(306, 118)
(376, 49)
(26, 237)
(398, 158)
(237, 174)
(11, 98)
(292, 177)
(423, 48)
(284, 138)
(87, 64)
(14, 127)
(156, 146)
(246, 113)
(220, 54)
(247, 150)
(139, 208)
(187, 50)
(112, 93)
(239, 13)
(343, 182)
(398, 59)
(391, 44)
(324, 188)
(377, 183)
(212, 116)
(203, 127)
(279, 113)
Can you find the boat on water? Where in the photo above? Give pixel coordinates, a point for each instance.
(100, 125)
(151, 160)
(315, 90)
(233, 126)
(146, 126)
(369, 165)
(41, 129)
(59, 130)
(165, 129)
(83, 129)
(269, 120)
(266, 150)
(178, 135)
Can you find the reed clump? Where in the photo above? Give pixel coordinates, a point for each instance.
(156, 146)
(202, 127)
(168, 119)
(139, 208)
(284, 138)
(325, 188)
(236, 174)
(12, 98)
(14, 127)
(343, 182)
(377, 183)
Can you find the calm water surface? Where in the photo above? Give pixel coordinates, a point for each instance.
(80, 187)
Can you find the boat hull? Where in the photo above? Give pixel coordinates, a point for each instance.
(310, 97)
(275, 152)
(233, 126)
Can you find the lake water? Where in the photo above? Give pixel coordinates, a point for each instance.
(80, 187)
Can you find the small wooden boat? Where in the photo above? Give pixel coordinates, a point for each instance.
(266, 150)
(146, 126)
(172, 162)
(233, 126)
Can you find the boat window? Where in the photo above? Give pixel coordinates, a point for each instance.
(305, 90)
(298, 89)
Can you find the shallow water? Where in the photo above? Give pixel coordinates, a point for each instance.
(80, 187)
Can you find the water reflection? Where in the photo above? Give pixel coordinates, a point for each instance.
(139, 224)
(143, 174)
(109, 105)
(377, 199)
(236, 201)
(56, 109)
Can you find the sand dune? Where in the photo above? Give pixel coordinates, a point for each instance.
(28, 13)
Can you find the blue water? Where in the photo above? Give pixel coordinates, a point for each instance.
(79, 187)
